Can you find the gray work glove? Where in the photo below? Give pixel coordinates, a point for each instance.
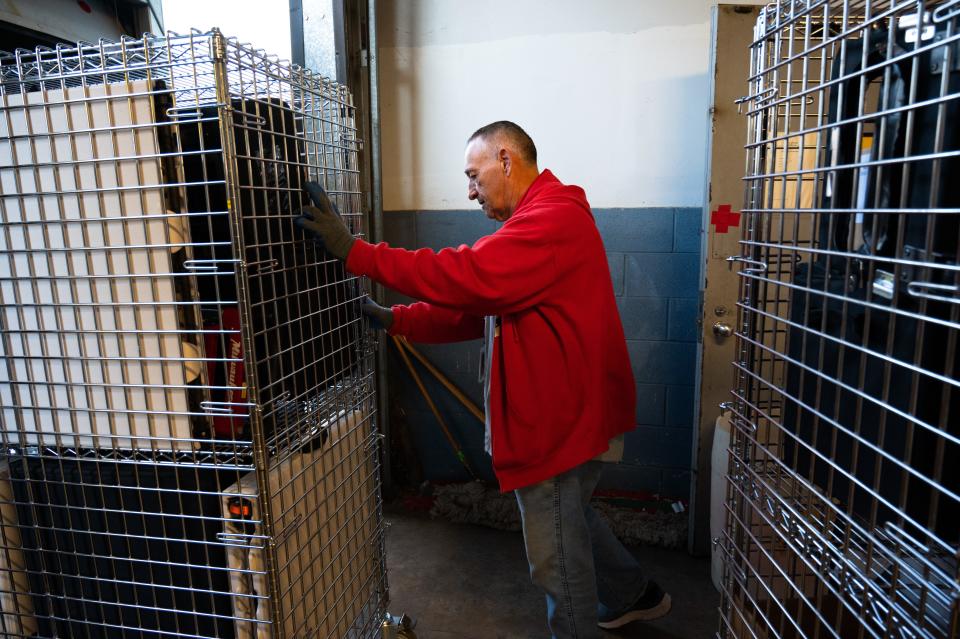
(322, 220)
(381, 318)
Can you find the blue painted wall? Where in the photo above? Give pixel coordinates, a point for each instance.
(654, 262)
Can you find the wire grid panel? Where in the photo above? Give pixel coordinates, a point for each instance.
(843, 497)
(187, 399)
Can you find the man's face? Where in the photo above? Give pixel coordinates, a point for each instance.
(487, 179)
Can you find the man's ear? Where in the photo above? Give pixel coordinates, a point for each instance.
(506, 161)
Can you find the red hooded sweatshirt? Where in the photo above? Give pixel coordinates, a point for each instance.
(561, 385)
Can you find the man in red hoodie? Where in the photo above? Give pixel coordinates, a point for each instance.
(559, 388)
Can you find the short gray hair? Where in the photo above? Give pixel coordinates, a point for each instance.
(512, 132)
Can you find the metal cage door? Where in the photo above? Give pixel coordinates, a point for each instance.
(189, 437)
(843, 497)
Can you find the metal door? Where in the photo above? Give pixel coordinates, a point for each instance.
(732, 34)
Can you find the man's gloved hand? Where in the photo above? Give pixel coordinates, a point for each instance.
(323, 221)
(381, 318)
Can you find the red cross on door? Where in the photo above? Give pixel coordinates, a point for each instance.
(723, 218)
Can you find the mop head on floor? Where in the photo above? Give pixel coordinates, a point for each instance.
(635, 519)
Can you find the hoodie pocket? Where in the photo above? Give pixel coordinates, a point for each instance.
(545, 391)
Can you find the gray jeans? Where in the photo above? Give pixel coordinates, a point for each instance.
(574, 558)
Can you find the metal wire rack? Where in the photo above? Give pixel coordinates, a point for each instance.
(843, 495)
(188, 429)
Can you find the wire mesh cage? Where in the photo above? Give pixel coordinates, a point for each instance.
(843, 491)
(186, 393)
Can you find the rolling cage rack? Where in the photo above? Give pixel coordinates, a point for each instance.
(186, 387)
(842, 492)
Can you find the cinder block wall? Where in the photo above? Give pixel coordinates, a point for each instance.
(654, 261)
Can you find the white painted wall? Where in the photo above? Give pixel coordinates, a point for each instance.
(613, 92)
(264, 24)
(63, 19)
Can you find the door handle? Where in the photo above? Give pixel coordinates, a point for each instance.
(722, 329)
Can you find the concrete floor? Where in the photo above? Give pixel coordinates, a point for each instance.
(461, 581)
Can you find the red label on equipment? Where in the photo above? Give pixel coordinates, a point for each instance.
(224, 351)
